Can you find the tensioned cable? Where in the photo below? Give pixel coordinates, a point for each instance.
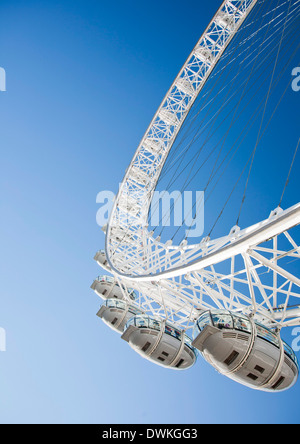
(233, 157)
(274, 111)
(170, 182)
(232, 191)
(185, 151)
(255, 59)
(289, 174)
(262, 120)
(218, 93)
(264, 15)
(191, 143)
(173, 151)
(266, 99)
(271, 118)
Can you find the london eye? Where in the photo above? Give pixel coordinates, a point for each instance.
(228, 298)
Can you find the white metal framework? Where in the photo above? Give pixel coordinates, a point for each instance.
(243, 271)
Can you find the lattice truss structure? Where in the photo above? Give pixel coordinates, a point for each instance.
(251, 270)
(243, 271)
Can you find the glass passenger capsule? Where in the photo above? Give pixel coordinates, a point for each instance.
(106, 287)
(246, 351)
(116, 313)
(100, 258)
(160, 342)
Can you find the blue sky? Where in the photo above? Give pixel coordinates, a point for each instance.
(84, 79)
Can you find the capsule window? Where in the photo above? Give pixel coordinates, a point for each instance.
(278, 383)
(179, 364)
(165, 354)
(204, 320)
(231, 358)
(241, 323)
(222, 320)
(104, 292)
(259, 369)
(266, 334)
(253, 377)
(161, 359)
(146, 346)
(114, 321)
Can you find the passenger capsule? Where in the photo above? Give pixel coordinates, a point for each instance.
(100, 258)
(106, 287)
(116, 313)
(246, 351)
(160, 342)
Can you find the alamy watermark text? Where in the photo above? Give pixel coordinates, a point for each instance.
(296, 81)
(168, 209)
(2, 79)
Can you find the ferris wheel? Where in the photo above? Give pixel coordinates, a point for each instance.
(226, 299)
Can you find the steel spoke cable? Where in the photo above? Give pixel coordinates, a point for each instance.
(248, 128)
(238, 116)
(259, 141)
(275, 109)
(254, 114)
(262, 121)
(259, 30)
(232, 191)
(213, 75)
(218, 93)
(171, 165)
(173, 151)
(246, 84)
(289, 174)
(214, 117)
(264, 15)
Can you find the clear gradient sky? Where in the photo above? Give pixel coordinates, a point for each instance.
(84, 78)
